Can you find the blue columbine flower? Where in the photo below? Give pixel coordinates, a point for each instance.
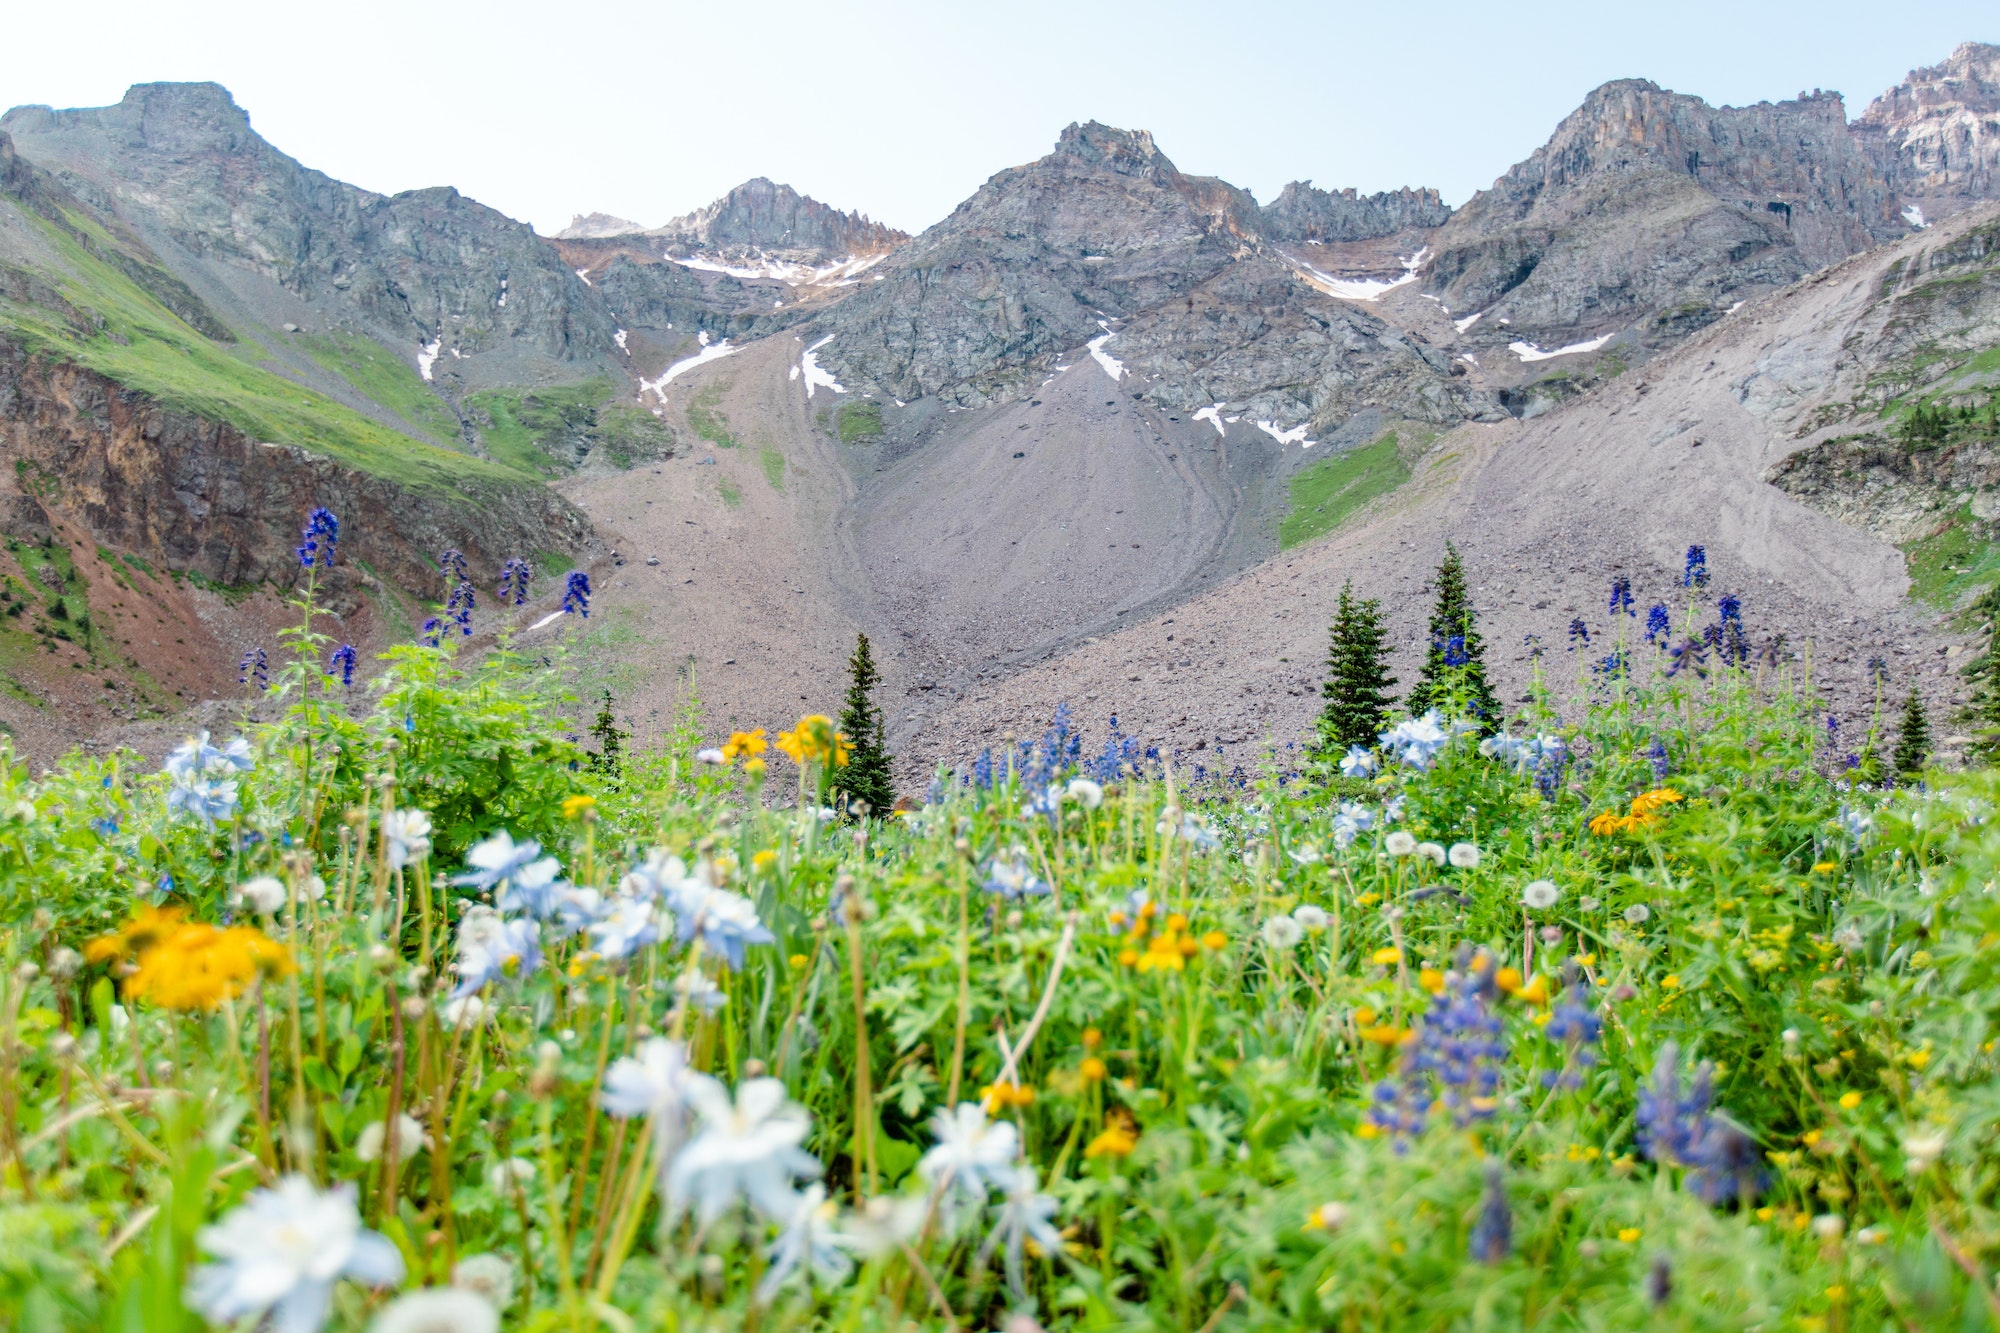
(1416, 741)
(1621, 596)
(254, 668)
(514, 582)
(208, 798)
(1695, 573)
(1359, 763)
(197, 757)
(1350, 822)
(491, 949)
(576, 594)
(522, 875)
(342, 661)
(726, 923)
(1659, 625)
(1010, 877)
(316, 542)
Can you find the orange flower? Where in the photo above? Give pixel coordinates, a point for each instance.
(1431, 980)
(1387, 1035)
(1215, 941)
(996, 1096)
(191, 965)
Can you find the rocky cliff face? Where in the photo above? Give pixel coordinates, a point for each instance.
(267, 241)
(1105, 242)
(761, 216)
(1652, 210)
(1936, 136)
(1302, 214)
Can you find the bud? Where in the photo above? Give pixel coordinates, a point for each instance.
(381, 955)
(27, 971)
(548, 1059)
(62, 1046)
(1014, 919)
(1660, 1281)
(962, 847)
(413, 1008)
(753, 1068)
(1829, 1226)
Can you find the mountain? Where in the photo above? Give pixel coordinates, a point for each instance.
(594, 226)
(1936, 135)
(1106, 244)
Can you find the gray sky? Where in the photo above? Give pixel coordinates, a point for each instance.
(649, 110)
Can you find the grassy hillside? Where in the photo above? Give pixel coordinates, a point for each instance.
(381, 375)
(1324, 494)
(548, 431)
(131, 337)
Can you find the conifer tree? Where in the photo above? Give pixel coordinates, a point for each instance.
(1455, 650)
(609, 758)
(865, 779)
(1357, 680)
(1913, 737)
(1982, 710)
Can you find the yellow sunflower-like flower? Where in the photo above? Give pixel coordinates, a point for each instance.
(190, 965)
(814, 741)
(746, 744)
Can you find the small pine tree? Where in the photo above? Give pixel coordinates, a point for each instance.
(1913, 737)
(1456, 650)
(609, 758)
(1358, 680)
(865, 779)
(1982, 710)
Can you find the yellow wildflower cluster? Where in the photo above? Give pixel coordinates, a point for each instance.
(996, 1097)
(1644, 814)
(180, 964)
(813, 741)
(1120, 1136)
(748, 744)
(1152, 945)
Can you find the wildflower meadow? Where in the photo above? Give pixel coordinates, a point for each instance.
(1638, 1007)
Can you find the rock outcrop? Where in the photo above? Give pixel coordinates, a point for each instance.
(1105, 242)
(1935, 137)
(1303, 214)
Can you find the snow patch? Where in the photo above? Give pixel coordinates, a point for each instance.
(1527, 351)
(1296, 435)
(1463, 324)
(1363, 289)
(427, 357)
(842, 272)
(809, 364)
(1733, 309)
(1112, 365)
(549, 619)
(584, 273)
(1915, 217)
(1213, 416)
(619, 338)
(701, 336)
(1469, 359)
(794, 375)
(709, 352)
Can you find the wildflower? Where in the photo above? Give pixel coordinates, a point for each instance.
(1313, 919)
(374, 1136)
(1463, 856)
(1659, 625)
(1282, 932)
(814, 741)
(1857, 824)
(652, 1084)
(1086, 793)
(206, 798)
(491, 949)
(1011, 878)
(1215, 941)
(1327, 1217)
(1540, 894)
(973, 1155)
(576, 594)
(1189, 827)
(726, 923)
(1024, 1215)
(342, 662)
(626, 925)
(1400, 843)
(1493, 1234)
(1690, 655)
(1579, 634)
(1849, 1100)
(1386, 956)
(514, 577)
(1308, 855)
(432, 632)
(1453, 650)
(264, 894)
(807, 1238)
(1695, 573)
(1350, 822)
(710, 755)
(459, 607)
(1638, 914)
(439, 1310)
(1359, 763)
(696, 989)
(522, 878)
(316, 542)
(407, 834)
(883, 1225)
(1921, 1150)
(281, 1251)
(254, 669)
(1416, 742)
(190, 965)
(1120, 1136)
(1432, 851)
(745, 1149)
(1621, 596)
(1679, 1129)
(749, 744)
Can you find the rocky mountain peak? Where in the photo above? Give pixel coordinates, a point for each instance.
(1127, 152)
(764, 216)
(1936, 135)
(596, 226)
(175, 118)
(1303, 213)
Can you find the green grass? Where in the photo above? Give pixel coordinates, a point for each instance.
(139, 343)
(860, 423)
(1947, 565)
(1324, 494)
(731, 496)
(708, 421)
(539, 430)
(774, 466)
(380, 375)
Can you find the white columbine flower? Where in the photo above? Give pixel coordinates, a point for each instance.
(627, 924)
(264, 894)
(810, 1239)
(652, 1083)
(1023, 1215)
(973, 1154)
(408, 833)
(521, 877)
(746, 1149)
(1352, 820)
(1086, 793)
(1359, 762)
(1305, 856)
(696, 987)
(1540, 894)
(1400, 843)
(280, 1253)
(438, 1310)
(1463, 855)
(1282, 932)
(1313, 919)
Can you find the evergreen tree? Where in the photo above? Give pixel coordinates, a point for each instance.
(1357, 680)
(1982, 710)
(1457, 655)
(1913, 737)
(865, 779)
(610, 741)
